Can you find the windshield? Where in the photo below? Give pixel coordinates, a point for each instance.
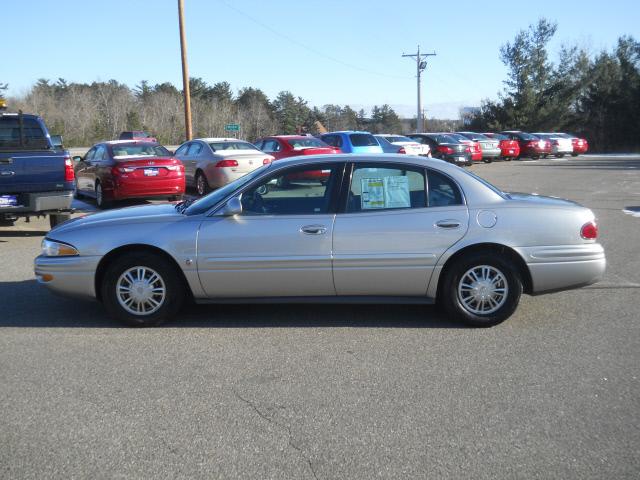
(139, 150)
(231, 146)
(205, 203)
(21, 133)
(310, 142)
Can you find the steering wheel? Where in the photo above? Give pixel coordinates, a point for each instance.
(253, 202)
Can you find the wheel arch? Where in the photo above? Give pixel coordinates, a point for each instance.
(496, 248)
(138, 247)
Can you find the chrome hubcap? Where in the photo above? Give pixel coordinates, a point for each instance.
(483, 290)
(200, 185)
(140, 291)
(99, 194)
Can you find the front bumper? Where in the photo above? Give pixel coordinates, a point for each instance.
(68, 276)
(564, 267)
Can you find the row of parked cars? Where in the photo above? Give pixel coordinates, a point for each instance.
(137, 166)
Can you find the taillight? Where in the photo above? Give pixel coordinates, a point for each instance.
(402, 150)
(445, 149)
(266, 161)
(227, 163)
(68, 170)
(173, 168)
(532, 143)
(117, 170)
(589, 231)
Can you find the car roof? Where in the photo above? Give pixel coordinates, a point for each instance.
(132, 142)
(348, 131)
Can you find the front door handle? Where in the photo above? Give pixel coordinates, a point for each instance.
(7, 173)
(447, 224)
(313, 229)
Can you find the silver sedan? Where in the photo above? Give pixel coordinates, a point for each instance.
(210, 163)
(379, 228)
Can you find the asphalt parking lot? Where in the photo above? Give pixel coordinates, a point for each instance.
(335, 392)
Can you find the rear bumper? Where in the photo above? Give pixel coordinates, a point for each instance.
(491, 153)
(149, 189)
(40, 202)
(68, 276)
(564, 267)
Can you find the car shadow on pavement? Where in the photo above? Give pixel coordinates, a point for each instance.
(32, 306)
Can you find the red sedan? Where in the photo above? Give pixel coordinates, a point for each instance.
(125, 169)
(284, 146)
(509, 149)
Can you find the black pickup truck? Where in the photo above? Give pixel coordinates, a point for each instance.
(36, 177)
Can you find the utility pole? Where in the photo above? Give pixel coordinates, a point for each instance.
(185, 72)
(421, 64)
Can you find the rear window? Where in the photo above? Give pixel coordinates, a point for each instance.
(445, 139)
(310, 142)
(363, 140)
(527, 136)
(139, 150)
(21, 134)
(232, 146)
(398, 138)
(499, 136)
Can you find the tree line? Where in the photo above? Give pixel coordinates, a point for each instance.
(86, 113)
(596, 97)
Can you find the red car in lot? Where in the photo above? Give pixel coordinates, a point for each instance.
(509, 149)
(530, 145)
(125, 169)
(284, 146)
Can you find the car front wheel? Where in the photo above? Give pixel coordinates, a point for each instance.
(481, 290)
(142, 290)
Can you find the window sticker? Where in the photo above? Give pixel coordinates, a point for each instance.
(396, 192)
(372, 193)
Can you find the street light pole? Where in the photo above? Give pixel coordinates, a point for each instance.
(185, 72)
(421, 64)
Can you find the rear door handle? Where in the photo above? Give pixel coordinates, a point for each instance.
(7, 173)
(447, 224)
(313, 229)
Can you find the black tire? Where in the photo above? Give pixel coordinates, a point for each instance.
(507, 159)
(574, 154)
(486, 160)
(559, 155)
(173, 284)
(202, 184)
(451, 298)
(56, 219)
(101, 202)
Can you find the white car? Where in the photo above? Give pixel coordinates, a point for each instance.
(211, 163)
(402, 144)
(560, 146)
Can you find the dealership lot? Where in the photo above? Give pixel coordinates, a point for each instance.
(335, 391)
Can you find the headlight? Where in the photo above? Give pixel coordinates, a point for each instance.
(52, 248)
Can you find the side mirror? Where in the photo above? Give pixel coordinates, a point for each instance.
(76, 159)
(232, 207)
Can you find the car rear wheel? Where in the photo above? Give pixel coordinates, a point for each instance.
(101, 202)
(486, 160)
(142, 290)
(202, 185)
(481, 290)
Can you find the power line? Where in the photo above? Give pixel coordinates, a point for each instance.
(307, 47)
(421, 64)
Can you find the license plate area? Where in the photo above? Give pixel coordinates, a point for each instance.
(8, 201)
(151, 172)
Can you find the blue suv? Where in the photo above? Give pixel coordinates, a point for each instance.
(352, 142)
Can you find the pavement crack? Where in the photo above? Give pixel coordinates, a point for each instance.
(282, 426)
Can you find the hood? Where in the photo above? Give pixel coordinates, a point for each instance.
(542, 200)
(164, 212)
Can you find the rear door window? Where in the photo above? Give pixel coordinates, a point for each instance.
(195, 149)
(391, 187)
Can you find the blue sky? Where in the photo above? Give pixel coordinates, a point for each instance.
(330, 51)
